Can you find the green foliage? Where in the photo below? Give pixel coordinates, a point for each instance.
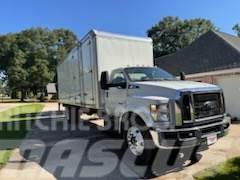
(227, 170)
(2, 88)
(6, 50)
(236, 29)
(4, 157)
(172, 33)
(40, 74)
(29, 59)
(17, 74)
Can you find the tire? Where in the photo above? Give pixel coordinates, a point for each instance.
(67, 113)
(135, 130)
(72, 114)
(108, 125)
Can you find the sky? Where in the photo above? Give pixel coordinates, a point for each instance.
(130, 17)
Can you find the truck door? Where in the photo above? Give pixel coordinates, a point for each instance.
(116, 97)
(87, 71)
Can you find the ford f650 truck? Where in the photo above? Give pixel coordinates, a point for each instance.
(142, 102)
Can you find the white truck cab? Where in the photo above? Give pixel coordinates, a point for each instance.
(177, 113)
(114, 75)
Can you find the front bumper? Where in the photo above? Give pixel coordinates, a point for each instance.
(189, 137)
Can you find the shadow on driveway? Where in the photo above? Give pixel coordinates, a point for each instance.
(72, 153)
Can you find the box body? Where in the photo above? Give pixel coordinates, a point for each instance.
(79, 74)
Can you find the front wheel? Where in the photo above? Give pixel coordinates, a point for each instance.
(139, 142)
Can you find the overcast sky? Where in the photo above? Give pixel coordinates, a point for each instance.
(131, 17)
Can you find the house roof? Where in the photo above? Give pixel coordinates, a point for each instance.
(232, 40)
(212, 51)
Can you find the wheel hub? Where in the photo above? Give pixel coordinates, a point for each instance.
(135, 141)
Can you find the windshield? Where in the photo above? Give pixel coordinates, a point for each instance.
(148, 74)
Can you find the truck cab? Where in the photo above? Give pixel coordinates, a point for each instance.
(176, 113)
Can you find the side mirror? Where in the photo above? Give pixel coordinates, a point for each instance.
(182, 76)
(104, 80)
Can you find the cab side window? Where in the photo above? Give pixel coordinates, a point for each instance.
(118, 77)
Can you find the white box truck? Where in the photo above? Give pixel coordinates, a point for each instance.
(142, 102)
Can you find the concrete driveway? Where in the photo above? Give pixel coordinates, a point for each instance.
(52, 151)
(5, 106)
(224, 149)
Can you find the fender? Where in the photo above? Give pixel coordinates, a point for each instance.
(139, 106)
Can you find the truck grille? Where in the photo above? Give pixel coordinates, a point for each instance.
(206, 105)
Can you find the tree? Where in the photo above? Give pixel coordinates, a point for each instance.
(6, 51)
(29, 59)
(236, 29)
(64, 42)
(17, 74)
(40, 75)
(172, 34)
(3, 88)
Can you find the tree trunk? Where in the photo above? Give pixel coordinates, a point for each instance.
(14, 94)
(42, 95)
(23, 95)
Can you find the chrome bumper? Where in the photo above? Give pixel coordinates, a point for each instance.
(189, 137)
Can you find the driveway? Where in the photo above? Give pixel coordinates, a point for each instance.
(53, 150)
(5, 106)
(224, 149)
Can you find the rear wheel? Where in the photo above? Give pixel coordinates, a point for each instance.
(108, 125)
(67, 113)
(72, 114)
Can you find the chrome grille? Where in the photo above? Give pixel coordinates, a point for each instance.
(206, 105)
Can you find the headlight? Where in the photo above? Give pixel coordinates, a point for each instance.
(159, 112)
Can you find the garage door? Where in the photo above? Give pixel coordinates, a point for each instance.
(231, 88)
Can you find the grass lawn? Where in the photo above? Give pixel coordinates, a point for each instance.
(14, 124)
(227, 170)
